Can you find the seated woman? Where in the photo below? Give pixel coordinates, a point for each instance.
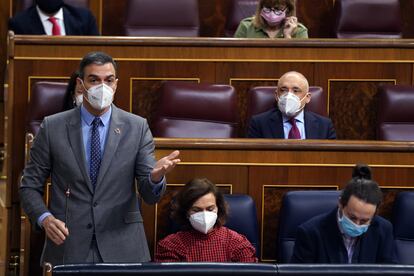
(201, 211)
(273, 19)
(74, 92)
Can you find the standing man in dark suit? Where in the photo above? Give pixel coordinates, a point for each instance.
(53, 17)
(93, 154)
(351, 233)
(290, 120)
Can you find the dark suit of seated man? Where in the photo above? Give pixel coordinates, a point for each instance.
(290, 120)
(351, 233)
(70, 20)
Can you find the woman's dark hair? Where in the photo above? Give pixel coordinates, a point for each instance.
(259, 22)
(362, 187)
(70, 91)
(191, 192)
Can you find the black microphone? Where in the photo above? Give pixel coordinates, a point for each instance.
(67, 195)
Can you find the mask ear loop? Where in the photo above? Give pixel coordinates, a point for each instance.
(86, 90)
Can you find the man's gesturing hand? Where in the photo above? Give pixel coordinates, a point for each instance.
(164, 165)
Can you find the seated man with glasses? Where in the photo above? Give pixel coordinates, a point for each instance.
(273, 19)
(289, 120)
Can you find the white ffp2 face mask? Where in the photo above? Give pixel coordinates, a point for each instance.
(100, 96)
(203, 221)
(78, 100)
(289, 104)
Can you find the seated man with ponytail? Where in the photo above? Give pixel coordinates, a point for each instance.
(352, 232)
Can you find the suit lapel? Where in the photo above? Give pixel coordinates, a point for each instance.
(70, 28)
(276, 125)
(114, 135)
(333, 240)
(311, 126)
(35, 22)
(74, 128)
(368, 244)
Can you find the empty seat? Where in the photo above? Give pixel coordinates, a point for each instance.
(262, 98)
(368, 19)
(239, 9)
(47, 98)
(404, 227)
(162, 18)
(395, 111)
(243, 217)
(297, 208)
(196, 110)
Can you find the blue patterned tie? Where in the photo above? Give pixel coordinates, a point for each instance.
(95, 160)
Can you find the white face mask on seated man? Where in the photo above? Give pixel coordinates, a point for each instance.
(290, 104)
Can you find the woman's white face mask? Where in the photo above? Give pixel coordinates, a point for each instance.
(203, 221)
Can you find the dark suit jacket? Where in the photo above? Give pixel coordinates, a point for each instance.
(269, 124)
(78, 21)
(319, 241)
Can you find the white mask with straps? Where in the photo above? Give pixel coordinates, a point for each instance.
(78, 100)
(203, 221)
(290, 104)
(99, 96)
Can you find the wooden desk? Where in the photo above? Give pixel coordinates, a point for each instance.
(266, 169)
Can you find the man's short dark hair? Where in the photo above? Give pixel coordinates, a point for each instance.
(362, 187)
(99, 58)
(191, 192)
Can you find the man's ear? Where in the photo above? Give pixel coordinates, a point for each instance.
(80, 83)
(308, 97)
(275, 94)
(115, 85)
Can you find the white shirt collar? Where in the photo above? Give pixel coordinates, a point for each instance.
(45, 17)
(300, 117)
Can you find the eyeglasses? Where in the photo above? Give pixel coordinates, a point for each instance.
(277, 11)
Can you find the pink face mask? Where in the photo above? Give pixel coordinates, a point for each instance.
(272, 18)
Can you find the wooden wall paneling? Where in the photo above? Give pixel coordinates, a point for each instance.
(317, 16)
(5, 13)
(407, 8)
(96, 7)
(213, 15)
(351, 120)
(344, 90)
(113, 15)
